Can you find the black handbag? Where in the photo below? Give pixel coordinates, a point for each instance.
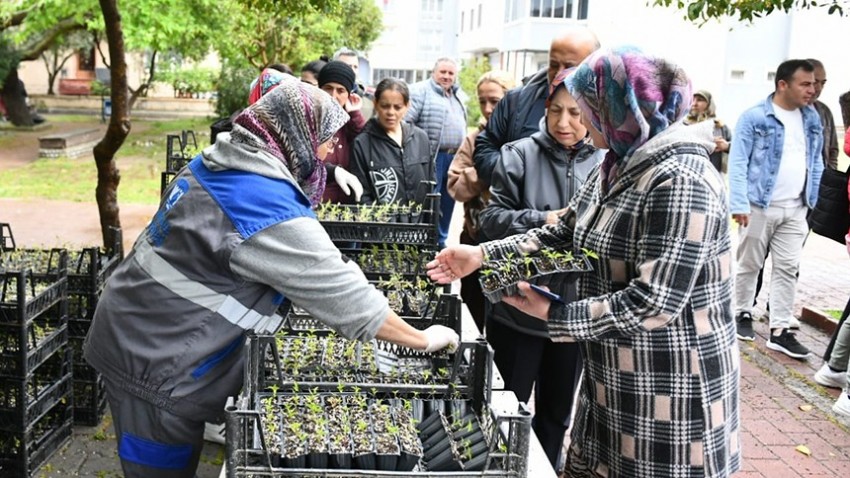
(831, 215)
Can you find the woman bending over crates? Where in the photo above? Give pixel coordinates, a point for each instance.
(391, 157)
(234, 237)
(659, 394)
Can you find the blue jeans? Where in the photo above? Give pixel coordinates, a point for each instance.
(447, 204)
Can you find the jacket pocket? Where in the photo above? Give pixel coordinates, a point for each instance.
(761, 138)
(217, 358)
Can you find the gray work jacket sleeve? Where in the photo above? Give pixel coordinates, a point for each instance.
(298, 259)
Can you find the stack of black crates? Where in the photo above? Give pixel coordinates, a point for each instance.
(36, 402)
(391, 245)
(47, 299)
(88, 270)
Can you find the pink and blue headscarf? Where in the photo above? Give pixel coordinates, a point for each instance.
(289, 120)
(629, 97)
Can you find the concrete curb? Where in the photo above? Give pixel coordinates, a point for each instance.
(818, 318)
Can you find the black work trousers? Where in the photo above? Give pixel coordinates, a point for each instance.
(553, 369)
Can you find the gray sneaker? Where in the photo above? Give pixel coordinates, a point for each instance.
(786, 342)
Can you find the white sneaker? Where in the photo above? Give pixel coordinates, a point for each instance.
(842, 405)
(794, 323)
(214, 433)
(830, 378)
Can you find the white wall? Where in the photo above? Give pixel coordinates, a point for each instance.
(815, 34)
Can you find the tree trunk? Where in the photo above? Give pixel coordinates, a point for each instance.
(15, 101)
(142, 90)
(108, 175)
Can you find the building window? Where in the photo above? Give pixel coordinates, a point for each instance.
(462, 21)
(737, 75)
(771, 76)
(582, 10)
(479, 15)
(516, 9)
(86, 59)
(471, 19)
(558, 9)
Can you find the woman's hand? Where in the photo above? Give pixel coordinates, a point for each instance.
(553, 217)
(354, 103)
(529, 301)
(455, 262)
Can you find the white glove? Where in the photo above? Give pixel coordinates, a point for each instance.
(440, 337)
(348, 182)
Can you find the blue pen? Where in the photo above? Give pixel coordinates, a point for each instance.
(549, 294)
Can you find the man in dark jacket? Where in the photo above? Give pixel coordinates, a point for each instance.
(518, 114)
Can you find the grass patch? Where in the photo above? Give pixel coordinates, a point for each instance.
(140, 161)
(834, 313)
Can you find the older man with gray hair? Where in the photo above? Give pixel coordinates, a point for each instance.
(438, 105)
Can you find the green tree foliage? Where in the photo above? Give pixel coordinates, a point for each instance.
(747, 10)
(470, 72)
(8, 57)
(233, 82)
(300, 35)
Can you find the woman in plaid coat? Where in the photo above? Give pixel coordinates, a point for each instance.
(660, 391)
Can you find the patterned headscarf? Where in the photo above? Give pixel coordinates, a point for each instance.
(629, 97)
(290, 121)
(557, 84)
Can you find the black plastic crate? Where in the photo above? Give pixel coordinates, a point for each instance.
(31, 281)
(23, 347)
(80, 310)
(89, 400)
(445, 311)
(7, 240)
(24, 400)
(249, 454)
(89, 268)
(22, 452)
(89, 391)
(164, 180)
(362, 224)
(384, 262)
(179, 150)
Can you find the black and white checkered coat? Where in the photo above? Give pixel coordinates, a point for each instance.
(660, 391)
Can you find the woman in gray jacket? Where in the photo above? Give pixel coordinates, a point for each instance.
(532, 185)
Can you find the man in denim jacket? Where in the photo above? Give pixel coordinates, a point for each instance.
(775, 168)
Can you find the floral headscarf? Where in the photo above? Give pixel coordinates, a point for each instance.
(290, 120)
(629, 97)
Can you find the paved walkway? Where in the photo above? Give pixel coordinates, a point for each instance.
(781, 407)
